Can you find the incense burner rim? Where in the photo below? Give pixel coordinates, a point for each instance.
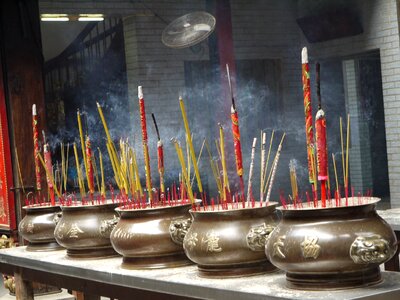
(166, 207)
(268, 206)
(89, 206)
(291, 208)
(35, 207)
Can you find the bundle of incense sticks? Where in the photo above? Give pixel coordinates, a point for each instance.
(190, 144)
(293, 181)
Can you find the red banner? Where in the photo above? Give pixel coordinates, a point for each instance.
(7, 211)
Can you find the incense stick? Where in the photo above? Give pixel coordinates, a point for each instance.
(336, 177)
(198, 161)
(19, 170)
(273, 168)
(253, 151)
(262, 170)
(267, 163)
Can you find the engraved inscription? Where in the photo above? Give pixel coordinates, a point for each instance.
(29, 227)
(210, 242)
(74, 231)
(278, 247)
(310, 247)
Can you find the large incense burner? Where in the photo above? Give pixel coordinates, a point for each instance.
(332, 247)
(85, 230)
(149, 238)
(38, 225)
(230, 242)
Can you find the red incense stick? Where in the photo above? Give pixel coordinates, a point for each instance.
(322, 155)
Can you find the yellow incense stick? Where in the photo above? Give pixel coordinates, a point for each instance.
(223, 161)
(189, 137)
(182, 161)
(19, 171)
(62, 167)
(49, 175)
(66, 169)
(198, 160)
(336, 177)
(83, 147)
(103, 187)
(188, 157)
(136, 170)
(79, 173)
(342, 145)
(347, 149)
(96, 173)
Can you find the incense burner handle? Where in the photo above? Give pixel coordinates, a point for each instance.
(257, 237)
(370, 250)
(57, 217)
(108, 225)
(178, 229)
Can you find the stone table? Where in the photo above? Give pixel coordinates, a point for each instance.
(105, 277)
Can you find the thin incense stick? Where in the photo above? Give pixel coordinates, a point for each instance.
(198, 161)
(347, 154)
(83, 148)
(263, 153)
(274, 167)
(19, 171)
(267, 163)
(253, 151)
(342, 145)
(336, 177)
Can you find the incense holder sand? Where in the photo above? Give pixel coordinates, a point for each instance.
(230, 243)
(37, 227)
(332, 248)
(84, 230)
(151, 238)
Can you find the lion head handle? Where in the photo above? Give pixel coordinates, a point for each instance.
(257, 237)
(107, 226)
(370, 250)
(178, 229)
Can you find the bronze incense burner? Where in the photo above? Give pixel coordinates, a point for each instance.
(84, 230)
(332, 248)
(37, 227)
(230, 243)
(150, 238)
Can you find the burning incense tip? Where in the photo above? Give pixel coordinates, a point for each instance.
(254, 142)
(34, 112)
(98, 104)
(304, 56)
(140, 92)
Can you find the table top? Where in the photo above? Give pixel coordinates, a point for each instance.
(184, 281)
